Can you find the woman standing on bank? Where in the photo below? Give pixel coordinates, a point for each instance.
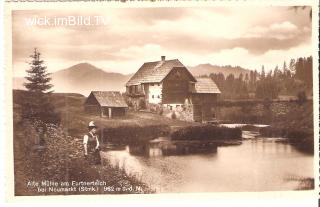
(91, 145)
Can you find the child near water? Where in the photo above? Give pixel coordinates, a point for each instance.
(91, 145)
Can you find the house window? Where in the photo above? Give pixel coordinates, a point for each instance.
(158, 96)
(152, 96)
(151, 84)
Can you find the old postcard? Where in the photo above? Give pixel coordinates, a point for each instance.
(162, 98)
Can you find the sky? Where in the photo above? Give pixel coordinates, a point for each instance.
(121, 40)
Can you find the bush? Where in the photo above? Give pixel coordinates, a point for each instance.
(161, 111)
(302, 97)
(301, 139)
(142, 104)
(129, 134)
(129, 103)
(173, 115)
(206, 132)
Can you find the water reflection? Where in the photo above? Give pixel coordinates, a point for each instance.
(255, 165)
(156, 148)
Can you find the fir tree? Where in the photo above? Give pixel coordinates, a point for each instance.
(292, 66)
(37, 106)
(263, 73)
(37, 75)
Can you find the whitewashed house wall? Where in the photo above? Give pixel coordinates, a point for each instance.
(155, 93)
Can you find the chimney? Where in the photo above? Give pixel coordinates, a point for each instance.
(163, 58)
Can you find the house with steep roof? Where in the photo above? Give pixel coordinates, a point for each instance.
(170, 85)
(106, 104)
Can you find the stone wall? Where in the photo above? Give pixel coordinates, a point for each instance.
(136, 103)
(182, 112)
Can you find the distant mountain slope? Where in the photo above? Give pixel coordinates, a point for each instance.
(206, 69)
(83, 78)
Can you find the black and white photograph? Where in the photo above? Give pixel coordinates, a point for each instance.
(163, 100)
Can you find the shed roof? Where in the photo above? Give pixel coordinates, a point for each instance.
(206, 85)
(109, 98)
(153, 72)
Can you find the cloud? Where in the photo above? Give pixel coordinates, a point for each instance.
(150, 16)
(284, 26)
(283, 30)
(133, 36)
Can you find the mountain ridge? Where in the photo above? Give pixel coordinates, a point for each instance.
(84, 77)
(207, 69)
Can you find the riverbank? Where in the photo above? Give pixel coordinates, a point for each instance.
(297, 126)
(302, 139)
(62, 161)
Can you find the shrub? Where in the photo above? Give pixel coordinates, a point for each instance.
(127, 134)
(142, 104)
(302, 97)
(173, 115)
(206, 132)
(129, 103)
(161, 111)
(301, 139)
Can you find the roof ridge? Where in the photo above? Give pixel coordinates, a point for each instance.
(106, 91)
(160, 61)
(154, 71)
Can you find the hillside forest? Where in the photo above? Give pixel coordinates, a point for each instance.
(289, 80)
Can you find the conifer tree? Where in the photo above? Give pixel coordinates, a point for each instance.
(37, 106)
(38, 76)
(263, 73)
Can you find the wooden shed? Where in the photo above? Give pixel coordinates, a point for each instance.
(204, 99)
(106, 104)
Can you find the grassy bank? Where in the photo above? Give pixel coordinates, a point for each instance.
(206, 132)
(62, 161)
(297, 126)
(301, 139)
(292, 120)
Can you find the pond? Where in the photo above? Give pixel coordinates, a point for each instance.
(256, 164)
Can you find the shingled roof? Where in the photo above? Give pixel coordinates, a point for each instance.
(206, 85)
(109, 98)
(153, 72)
